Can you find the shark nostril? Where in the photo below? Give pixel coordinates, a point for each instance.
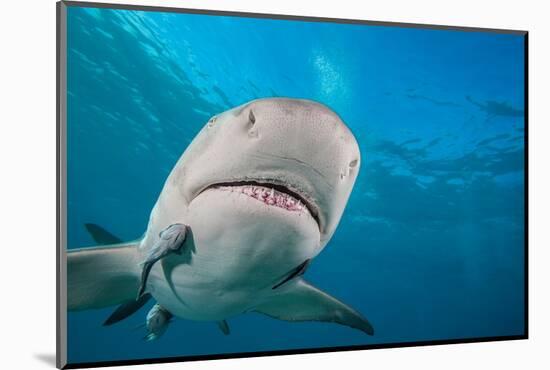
(253, 130)
(347, 171)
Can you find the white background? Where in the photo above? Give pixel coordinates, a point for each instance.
(27, 178)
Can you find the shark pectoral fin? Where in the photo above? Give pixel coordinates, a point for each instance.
(299, 301)
(127, 309)
(103, 237)
(224, 327)
(170, 240)
(101, 277)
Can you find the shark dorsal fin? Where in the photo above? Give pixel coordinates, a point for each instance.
(100, 235)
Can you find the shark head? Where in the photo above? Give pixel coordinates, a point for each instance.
(290, 153)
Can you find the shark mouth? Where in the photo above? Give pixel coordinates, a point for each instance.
(276, 195)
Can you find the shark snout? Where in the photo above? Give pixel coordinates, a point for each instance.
(296, 143)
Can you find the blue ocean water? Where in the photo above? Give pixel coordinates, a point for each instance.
(431, 245)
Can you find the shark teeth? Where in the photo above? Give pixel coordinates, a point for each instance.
(268, 196)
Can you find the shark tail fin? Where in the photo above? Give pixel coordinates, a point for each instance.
(102, 276)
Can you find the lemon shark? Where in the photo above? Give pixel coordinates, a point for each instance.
(254, 198)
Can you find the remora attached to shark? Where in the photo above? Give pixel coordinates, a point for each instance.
(252, 200)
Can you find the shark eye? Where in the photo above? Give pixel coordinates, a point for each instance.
(353, 163)
(251, 118)
(211, 121)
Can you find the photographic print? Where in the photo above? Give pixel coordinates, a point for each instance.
(237, 185)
